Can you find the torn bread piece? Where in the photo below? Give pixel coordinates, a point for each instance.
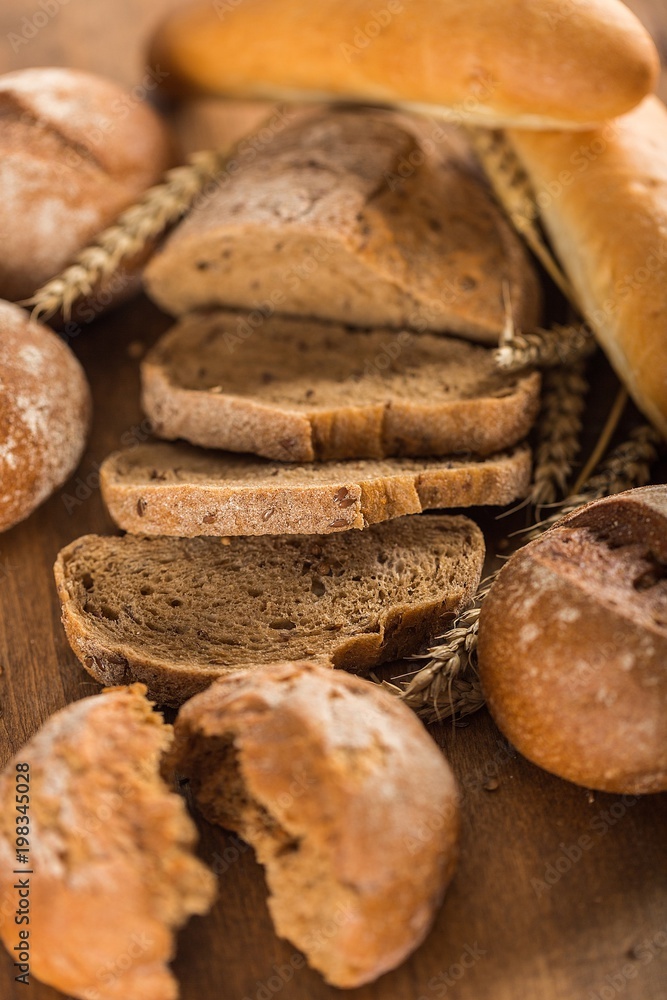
(348, 802)
(164, 489)
(301, 391)
(111, 854)
(177, 613)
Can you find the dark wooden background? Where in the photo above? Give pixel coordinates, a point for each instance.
(599, 931)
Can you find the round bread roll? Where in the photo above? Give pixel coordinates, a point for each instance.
(110, 870)
(573, 645)
(45, 410)
(348, 802)
(75, 150)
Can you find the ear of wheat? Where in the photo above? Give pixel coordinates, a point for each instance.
(448, 686)
(136, 228)
(559, 431)
(514, 191)
(561, 345)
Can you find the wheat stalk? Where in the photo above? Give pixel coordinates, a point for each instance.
(136, 228)
(561, 345)
(515, 193)
(559, 429)
(448, 686)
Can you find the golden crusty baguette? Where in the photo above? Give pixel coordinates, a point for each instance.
(603, 201)
(543, 64)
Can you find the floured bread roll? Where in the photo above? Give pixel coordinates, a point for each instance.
(45, 413)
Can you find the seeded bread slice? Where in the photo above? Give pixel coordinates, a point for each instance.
(178, 613)
(164, 489)
(300, 391)
(351, 216)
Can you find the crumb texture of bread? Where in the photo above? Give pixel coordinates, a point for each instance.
(296, 390)
(41, 439)
(353, 216)
(112, 850)
(178, 613)
(573, 645)
(163, 489)
(330, 779)
(75, 150)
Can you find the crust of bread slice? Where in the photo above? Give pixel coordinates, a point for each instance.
(297, 390)
(177, 613)
(164, 489)
(359, 217)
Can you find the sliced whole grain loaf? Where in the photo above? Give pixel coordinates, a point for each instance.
(297, 390)
(178, 613)
(165, 489)
(352, 216)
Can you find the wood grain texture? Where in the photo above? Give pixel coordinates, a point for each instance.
(521, 920)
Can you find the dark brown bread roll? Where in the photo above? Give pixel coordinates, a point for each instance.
(573, 645)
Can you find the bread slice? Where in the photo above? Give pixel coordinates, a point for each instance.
(352, 216)
(356, 818)
(164, 489)
(297, 390)
(177, 613)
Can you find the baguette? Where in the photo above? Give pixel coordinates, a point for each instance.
(299, 391)
(333, 781)
(573, 645)
(112, 872)
(603, 198)
(537, 64)
(359, 217)
(179, 613)
(161, 489)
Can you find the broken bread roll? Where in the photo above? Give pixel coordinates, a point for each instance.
(348, 802)
(164, 489)
(297, 390)
(111, 860)
(573, 645)
(537, 64)
(45, 412)
(357, 217)
(177, 613)
(603, 200)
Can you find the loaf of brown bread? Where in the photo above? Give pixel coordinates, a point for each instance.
(352, 216)
(573, 645)
(537, 64)
(75, 150)
(162, 489)
(295, 390)
(178, 613)
(44, 413)
(333, 782)
(112, 872)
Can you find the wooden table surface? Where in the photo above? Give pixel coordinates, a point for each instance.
(529, 915)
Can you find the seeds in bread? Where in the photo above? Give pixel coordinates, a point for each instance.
(163, 489)
(346, 216)
(178, 613)
(331, 780)
(573, 645)
(112, 850)
(296, 390)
